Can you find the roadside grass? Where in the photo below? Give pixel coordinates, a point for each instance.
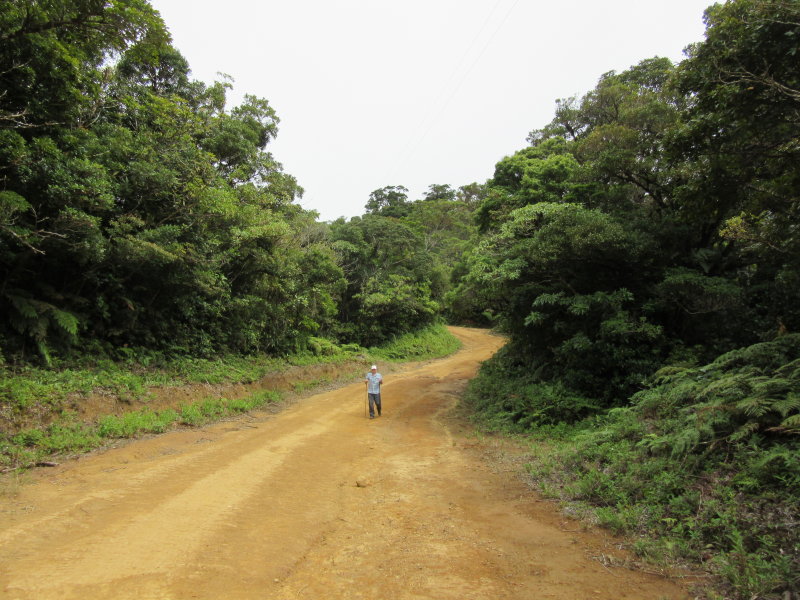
(11, 484)
(69, 436)
(303, 386)
(432, 342)
(31, 391)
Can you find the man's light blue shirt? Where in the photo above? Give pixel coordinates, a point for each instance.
(374, 383)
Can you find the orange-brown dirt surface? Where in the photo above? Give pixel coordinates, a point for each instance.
(314, 502)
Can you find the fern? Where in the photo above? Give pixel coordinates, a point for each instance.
(25, 308)
(664, 374)
(66, 321)
(790, 370)
(44, 352)
(34, 318)
(685, 441)
(38, 328)
(784, 406)
(791, 424)
(754, 407)
(772, 387)
(728, 387)
(745, 431)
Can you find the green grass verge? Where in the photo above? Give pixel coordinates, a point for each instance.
(69, 436)
(29, 391)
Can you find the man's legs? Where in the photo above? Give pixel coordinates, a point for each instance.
(374, 402)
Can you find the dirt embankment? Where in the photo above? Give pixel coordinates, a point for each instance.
(292, 381)
(314, 502)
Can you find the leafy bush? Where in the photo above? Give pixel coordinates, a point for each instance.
(569, 284)
(322, 346)
(508, 396)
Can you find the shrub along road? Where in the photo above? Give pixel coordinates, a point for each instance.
(314, 502)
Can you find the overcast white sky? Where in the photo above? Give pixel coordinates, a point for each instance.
(373, 93)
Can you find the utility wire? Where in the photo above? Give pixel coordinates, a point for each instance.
(423, 124)
(453, 72)
(412, 146)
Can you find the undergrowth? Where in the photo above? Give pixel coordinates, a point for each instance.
(701, 468)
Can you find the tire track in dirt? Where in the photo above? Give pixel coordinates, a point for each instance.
(315, 502)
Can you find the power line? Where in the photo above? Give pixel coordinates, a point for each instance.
(423, 124)
(412, 146)
(453, 72)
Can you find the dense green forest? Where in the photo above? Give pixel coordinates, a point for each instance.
(139, 211)
(641, 253)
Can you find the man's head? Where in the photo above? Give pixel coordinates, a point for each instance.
(373, 368)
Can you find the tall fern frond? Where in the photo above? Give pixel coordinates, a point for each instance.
(754, 407)
(44, 351)
(745, 431)
(790, 370)
(772, 387)
(38, 329)
(789, 404)
(686, 441)
(728, 387)
(791, 424)
(23, 306)
(66, 321)
(34, 318)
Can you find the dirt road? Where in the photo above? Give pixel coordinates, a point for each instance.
(316, 502)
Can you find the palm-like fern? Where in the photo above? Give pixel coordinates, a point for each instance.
(40, 321)
(748, 395)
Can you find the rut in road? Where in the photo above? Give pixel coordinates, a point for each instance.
(315, 502)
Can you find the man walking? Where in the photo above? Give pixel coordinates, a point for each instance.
(373, 381)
